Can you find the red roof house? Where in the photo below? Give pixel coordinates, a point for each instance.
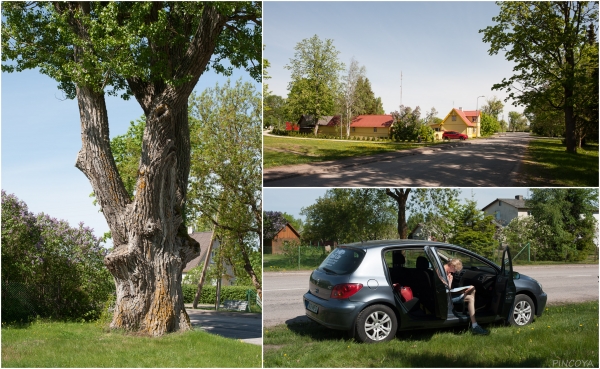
(371, 126)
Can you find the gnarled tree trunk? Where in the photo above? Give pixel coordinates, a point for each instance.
(151, 245)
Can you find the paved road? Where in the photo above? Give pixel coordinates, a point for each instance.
(243, 326)
(563, 283)
(490, 162)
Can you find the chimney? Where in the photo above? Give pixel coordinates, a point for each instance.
(460, 108)
(519, 197)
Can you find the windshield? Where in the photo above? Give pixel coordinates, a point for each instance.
(342, 260)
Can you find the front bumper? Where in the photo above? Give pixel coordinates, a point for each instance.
(333, 313)
(541, 303)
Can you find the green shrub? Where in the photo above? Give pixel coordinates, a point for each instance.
(209, 293)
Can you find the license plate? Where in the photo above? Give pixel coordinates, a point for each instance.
(312, 307)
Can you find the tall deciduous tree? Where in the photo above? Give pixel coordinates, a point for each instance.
(493, 107)
(435, 207)
(400, 195)
(156, 52)
(516, 121)
(349, 88)
(568, 215)
(474, 230)
(548, 43)
(226, 171)
(314, 81)
(350, 215)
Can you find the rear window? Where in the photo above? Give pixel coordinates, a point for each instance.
(342, 261)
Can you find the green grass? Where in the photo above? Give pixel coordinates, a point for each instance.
(548, 164)
(57, 344)
(303, 151)
(565, 332)
(280, 263)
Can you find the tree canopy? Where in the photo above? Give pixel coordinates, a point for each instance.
(565, 221)
(315, 70)
(554, 58)
(156, 52)
(350, 215)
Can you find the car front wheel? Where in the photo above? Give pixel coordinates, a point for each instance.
(377, 323)
(522, 312)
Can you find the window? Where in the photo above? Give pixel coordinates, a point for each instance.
(468, 262)
(410, 257)
(454, 118)
(353, 129)
(375, 129)
(343, 260)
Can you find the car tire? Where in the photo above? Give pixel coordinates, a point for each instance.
(522, 312)
(376, 323)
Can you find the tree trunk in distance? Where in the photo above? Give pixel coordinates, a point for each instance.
(400, 195)
(204, 269)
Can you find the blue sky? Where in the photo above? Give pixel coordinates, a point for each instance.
(436, 45)
(292, 200)
(41, 138)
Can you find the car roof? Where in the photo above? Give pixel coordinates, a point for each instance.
(367, 245)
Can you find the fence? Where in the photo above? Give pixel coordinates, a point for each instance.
(304, 256)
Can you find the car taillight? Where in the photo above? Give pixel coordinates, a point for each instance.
(345, 290)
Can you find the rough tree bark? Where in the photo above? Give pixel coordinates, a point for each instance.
(400, 195)
(151, 245)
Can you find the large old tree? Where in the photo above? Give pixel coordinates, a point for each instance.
(156, 52)
(554, 60)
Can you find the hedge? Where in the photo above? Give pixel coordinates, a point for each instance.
(209, 293)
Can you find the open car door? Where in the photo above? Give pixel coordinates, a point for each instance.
(441, 294)
(505, 289)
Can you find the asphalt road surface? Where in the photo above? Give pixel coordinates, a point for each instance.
(282, 294)
(243, 326)
(490, 162)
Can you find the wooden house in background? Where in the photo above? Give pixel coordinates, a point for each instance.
(286, 234)
(372, 126)
(328, 125)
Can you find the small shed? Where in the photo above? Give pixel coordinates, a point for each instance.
(286, 234)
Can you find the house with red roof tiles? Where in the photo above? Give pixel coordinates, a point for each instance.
(467, 122)
(371, 126)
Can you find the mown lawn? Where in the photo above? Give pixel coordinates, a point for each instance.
(563, 333)
(282, 263)
(547, 164)
(58, 344)
(288, 151)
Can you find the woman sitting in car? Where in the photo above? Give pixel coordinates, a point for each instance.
(466, 295)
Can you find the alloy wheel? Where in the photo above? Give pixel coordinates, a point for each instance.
(522, 313)
(378, 326)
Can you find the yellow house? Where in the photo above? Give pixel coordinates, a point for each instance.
(467, 122)
(329, 125)
(371, 126)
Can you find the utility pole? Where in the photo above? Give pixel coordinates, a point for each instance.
(400, 88)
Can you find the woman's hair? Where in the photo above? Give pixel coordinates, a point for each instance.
(456, 263)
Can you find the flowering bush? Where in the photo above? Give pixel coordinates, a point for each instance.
(49, 268)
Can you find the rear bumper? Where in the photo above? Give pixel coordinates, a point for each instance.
(334, 313)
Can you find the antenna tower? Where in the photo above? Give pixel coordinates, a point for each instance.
(400, 88)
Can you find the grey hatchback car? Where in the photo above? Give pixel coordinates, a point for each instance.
(357, 288)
